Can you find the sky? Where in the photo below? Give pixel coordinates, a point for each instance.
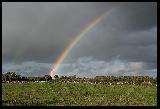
(124, 42)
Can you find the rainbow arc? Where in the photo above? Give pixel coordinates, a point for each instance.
(74, 41)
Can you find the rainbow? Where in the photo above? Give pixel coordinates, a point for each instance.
(73, 42)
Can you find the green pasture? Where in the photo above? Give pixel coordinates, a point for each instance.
(77, 94)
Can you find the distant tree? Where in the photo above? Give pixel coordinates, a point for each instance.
(56, 76)
(38, 78)
(41, 78)
(91, 80)
(3, 77)
(156, 79)
(62, 77)
(11, 76)
(47, 77)
(18, 77)
(74, 77)
(24, 78)
(8, 77)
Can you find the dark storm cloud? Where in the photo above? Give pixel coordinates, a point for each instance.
(34, 33)
(39, 31)
(135, 46)
(133, 17)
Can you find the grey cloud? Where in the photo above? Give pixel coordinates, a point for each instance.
(89, 67)
(84, 66)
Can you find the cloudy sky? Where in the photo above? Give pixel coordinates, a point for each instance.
(123, 43)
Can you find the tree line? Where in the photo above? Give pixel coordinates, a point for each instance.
(12, 76)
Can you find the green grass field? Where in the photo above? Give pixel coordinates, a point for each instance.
(77, 94)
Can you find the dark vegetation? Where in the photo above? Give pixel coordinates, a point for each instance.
(138, 80)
